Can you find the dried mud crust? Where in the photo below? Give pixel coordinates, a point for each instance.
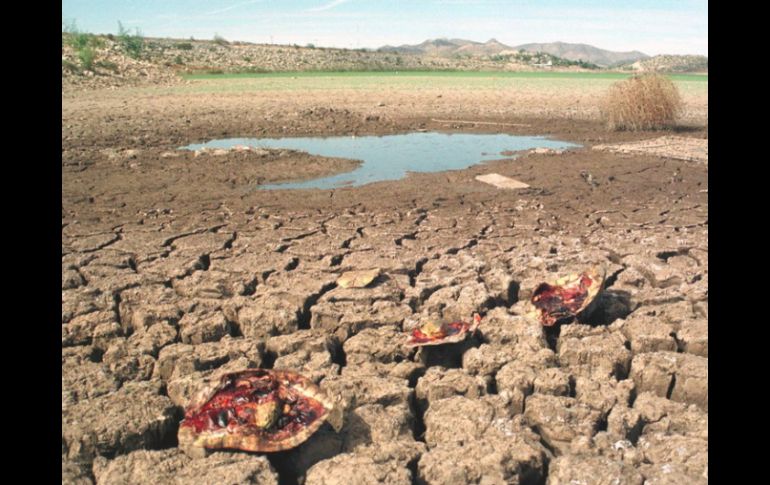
(148, 171)
(680, 148)
(171, 279)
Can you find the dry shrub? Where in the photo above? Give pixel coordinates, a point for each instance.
(645, 102)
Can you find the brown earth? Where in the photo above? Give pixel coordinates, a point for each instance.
(175, 268)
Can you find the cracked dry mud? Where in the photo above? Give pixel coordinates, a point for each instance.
(175, 271)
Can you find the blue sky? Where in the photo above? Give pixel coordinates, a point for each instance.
(651, 26)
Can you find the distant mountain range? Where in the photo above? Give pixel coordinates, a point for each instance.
(572, 52)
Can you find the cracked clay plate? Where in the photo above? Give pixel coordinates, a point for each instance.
(358, 279)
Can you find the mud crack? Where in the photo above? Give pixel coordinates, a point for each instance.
(168, 242)
(303, 322)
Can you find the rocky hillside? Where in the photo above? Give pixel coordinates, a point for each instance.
(466, 48)
(95, 61)
(667, 63)
(105, 61)
(90, 61)
(451, 48)
(584, 52)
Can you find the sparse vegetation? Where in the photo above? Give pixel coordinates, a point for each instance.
(86, 55)
(79, 40)
(646, 102)
(132, 44)
(183, 46)
(218, 39)
(83, 43)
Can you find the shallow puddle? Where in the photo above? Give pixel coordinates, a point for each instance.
(391, 157)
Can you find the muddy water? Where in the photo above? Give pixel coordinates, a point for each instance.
(392, 157)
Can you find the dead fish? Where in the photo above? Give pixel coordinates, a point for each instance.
(567, 297)
(260, 410)
(445, 333)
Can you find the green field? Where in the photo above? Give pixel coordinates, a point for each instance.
(418, 81)
(437, 74)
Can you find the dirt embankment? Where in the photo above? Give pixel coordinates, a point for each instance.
(159, 172)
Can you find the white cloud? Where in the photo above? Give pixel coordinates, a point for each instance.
(232, 7)
(328, 6)
(471, 2)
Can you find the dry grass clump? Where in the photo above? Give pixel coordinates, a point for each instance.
(645, 102)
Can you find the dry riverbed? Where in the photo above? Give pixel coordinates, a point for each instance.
(175, 269)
